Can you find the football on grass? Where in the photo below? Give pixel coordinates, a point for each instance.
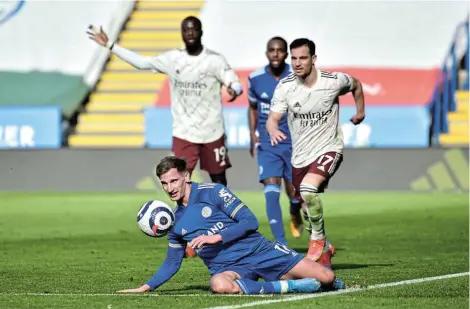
(155, 218)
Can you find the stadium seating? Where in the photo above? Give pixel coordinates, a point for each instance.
(458, 122)
(113, 115)
(451, 96)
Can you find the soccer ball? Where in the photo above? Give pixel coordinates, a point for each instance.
(155, 218)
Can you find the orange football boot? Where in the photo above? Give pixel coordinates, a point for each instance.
(296, 225)
(326, 256)
(315, 249)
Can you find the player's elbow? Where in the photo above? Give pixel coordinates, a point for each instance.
(357, 86)
(173, 264)
(141, 66)
(174, 260)
(252, 224)
(144, 64)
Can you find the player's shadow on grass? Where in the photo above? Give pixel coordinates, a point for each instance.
(189, 288)
(305, 249)
(357, 266)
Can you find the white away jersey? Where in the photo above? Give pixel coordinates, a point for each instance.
(313, 114)
(195, 85)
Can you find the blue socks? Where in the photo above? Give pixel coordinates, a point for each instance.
(308, 285)
(273, 210)
(258, 287)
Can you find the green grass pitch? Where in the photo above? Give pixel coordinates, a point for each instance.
(76, 250)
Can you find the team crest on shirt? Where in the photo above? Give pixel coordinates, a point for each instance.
(227, 197)
(206, 212)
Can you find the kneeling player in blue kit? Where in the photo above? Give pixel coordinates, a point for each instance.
(223, 231)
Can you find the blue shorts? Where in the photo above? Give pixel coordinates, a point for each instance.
(274, 161)
(270, 261)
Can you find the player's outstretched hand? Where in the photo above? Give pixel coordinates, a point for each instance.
(358, 118)
(276, 137)
(97, 35)
(142, 289)
(200, 241)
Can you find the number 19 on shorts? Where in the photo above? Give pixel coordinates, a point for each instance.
(220, 154)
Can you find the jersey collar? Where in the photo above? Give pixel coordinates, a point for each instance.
(317, 83)
(286, 72)
(192, 196)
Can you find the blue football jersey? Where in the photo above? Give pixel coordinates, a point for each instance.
(212, 209)
(261, 86)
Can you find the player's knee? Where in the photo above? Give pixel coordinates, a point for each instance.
(219, 178)
(308, 192)
(223, 285)
(327, 276)
(272, 181)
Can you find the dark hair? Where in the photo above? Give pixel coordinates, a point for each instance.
(277, 38)
(194, 19)
(303, 42)
(169, 162)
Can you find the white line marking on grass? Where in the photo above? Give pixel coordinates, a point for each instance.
(132, 295)
(345, 291)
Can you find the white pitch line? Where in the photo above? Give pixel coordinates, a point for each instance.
(345, 291)
(132, 295)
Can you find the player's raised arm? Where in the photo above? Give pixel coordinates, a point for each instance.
(158, 64)
(227, 77)
(252, 118)
(351, 84)
(168, 269)
(278, 108)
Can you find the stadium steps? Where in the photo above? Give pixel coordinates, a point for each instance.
(114, 115)
(458, 123)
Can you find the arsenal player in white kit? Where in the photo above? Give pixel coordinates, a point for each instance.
(196, 76)
(311, 99)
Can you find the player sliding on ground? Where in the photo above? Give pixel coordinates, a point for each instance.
(310, 98)
(223, 231)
